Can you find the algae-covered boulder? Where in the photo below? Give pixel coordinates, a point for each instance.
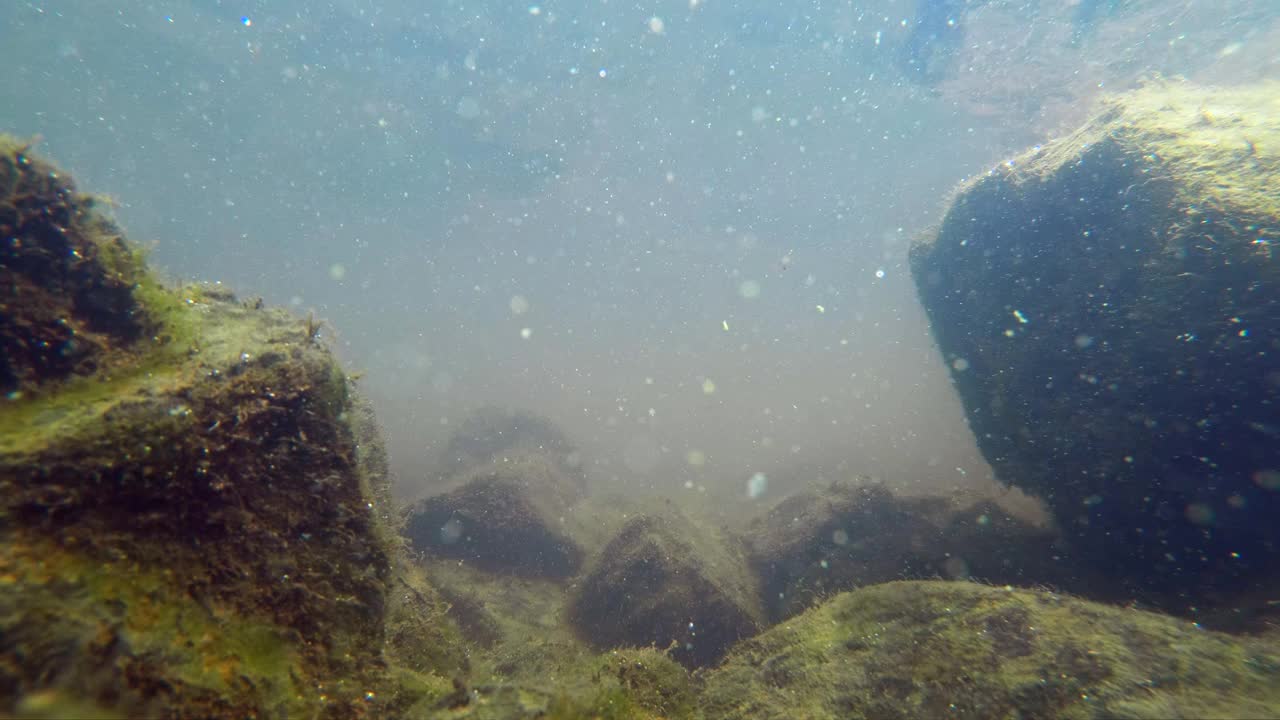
(956, 649)
(72, 298)
(507, 515)
(653, 681)
(1109, 307)
(666, 582)
(189, 526)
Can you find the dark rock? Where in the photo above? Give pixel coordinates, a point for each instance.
(985, 542)
(507, 516)
(665, 582)
(849, 534)
(1109, 306)
(492, 434)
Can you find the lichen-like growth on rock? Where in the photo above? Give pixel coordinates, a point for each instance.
(187, 525)
(955, 649)
(75, 298)
(66, 281)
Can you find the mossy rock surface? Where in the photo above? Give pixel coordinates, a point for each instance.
(1109, 307)
(524, 661)
(954, 649)
(70, 294)
(190, 518)
(625, 684)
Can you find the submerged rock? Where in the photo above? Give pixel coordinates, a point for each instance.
(1109, 306)
(73, 298)
(986, 543)
(665, 582)
(955, 649)
(508, 515)
(851, 534)
(493, 434)
(188, 525)
(846, 535)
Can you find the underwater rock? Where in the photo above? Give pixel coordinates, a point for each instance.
(421, 635)
(665, 582)
(653, 681)
(72, 294)
(1109, 307)
(491, 434)
(988, 544)
(188, 525)
(849, 534)
(626, 684)
(955, 649)
(507, 516)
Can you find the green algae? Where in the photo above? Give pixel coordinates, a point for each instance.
(653, 681)
(626, 684)
(68, 612)
(420, 636)
(197, 330)
(75, 298)
(525, 661)
(934, 649)
(194, 514)
(142, 450)
(1219, 147)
